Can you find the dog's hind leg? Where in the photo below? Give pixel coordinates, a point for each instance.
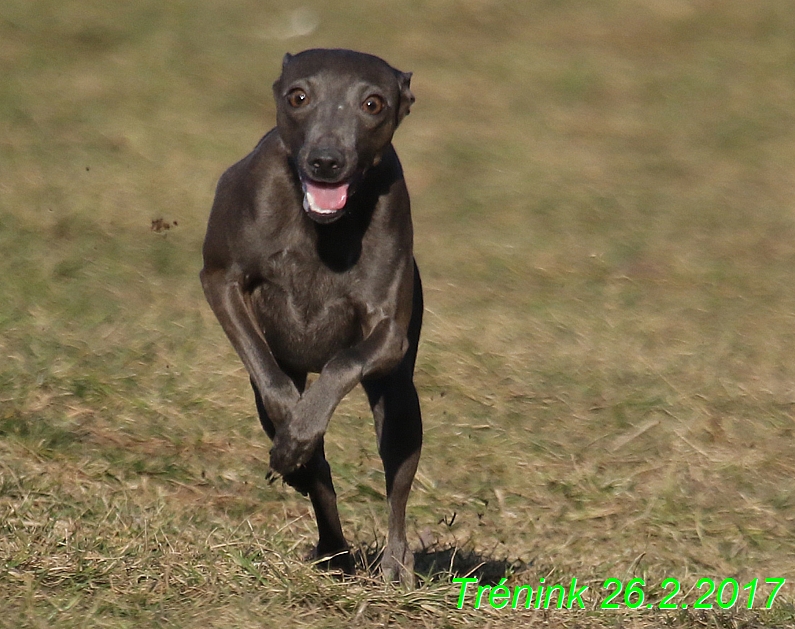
(313, 478)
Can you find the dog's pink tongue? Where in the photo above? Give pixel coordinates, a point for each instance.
(328, 197)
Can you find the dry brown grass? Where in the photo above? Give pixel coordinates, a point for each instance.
(603, 196)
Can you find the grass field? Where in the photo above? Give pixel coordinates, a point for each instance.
(604, 206)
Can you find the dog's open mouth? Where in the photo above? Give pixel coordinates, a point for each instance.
(325, 200)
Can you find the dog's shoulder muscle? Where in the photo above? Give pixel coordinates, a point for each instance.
(238, 213)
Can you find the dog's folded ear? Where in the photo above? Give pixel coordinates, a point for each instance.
(277, 84)
(406, 97)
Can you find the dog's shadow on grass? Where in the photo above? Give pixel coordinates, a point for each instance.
(442, 563)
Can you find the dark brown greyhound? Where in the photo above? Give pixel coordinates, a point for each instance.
(309, 267)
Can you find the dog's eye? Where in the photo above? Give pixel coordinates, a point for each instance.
(297, 98)
(373, 104)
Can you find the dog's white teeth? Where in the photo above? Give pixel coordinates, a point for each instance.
(311, 205)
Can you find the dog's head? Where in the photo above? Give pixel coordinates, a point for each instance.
(336, 111)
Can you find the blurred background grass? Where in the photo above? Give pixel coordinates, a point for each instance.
(604, 204)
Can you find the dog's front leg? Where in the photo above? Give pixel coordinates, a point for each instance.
(225, 295)
(378, 353)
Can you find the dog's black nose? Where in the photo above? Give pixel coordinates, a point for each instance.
(325, 163)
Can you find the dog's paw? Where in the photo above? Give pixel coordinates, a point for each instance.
(340, 560)
(397, 564)
(290, 452)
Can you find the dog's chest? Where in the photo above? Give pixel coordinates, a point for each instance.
(305, 311)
